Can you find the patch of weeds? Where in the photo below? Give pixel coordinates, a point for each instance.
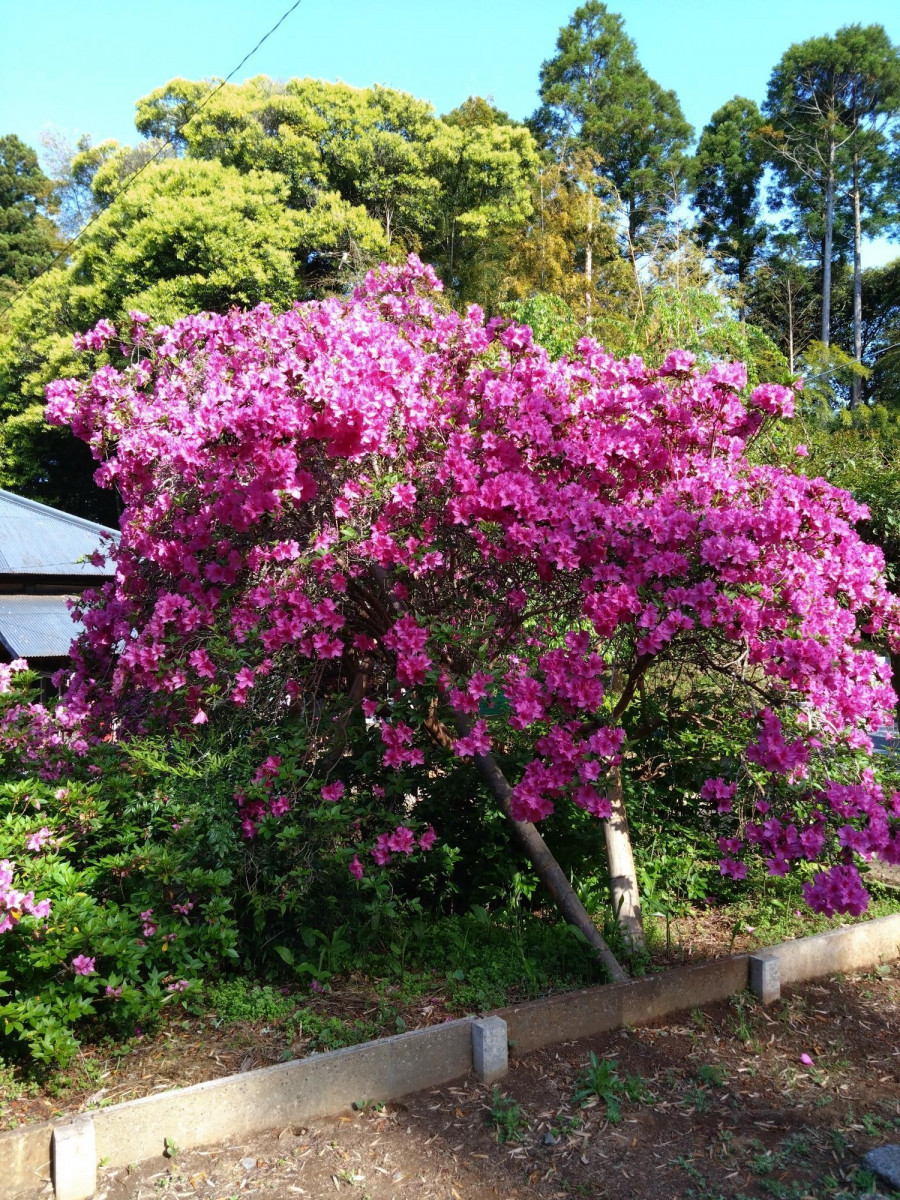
(600, 1080)
(839, 1143)
(698, 1098)
(785, 1191)
(242, 1000)
(565, 1125)
(329, 1033)
(740, 1004)
(488, 959)
(689, 1166)
(796, 1145)
(865, 1181)
(710, 1073)
(12, 1087)
(873, 1124)
(507, 1118)
(766, 1162)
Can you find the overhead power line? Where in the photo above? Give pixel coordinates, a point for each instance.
(64, 252)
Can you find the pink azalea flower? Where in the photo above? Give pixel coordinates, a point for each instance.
(82, 965)
(402, 840)
(381, 850)
(37, 840)
(356, 867)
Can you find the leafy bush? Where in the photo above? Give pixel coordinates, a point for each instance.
(134, 914)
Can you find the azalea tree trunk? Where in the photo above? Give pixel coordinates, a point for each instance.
(548, 869)
(623, 884)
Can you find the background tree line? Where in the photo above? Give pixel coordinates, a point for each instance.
(593, 216)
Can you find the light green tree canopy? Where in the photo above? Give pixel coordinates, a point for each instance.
(185, 236)
(444, 188)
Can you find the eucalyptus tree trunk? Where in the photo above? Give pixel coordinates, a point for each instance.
(790, 329)
(857, 284)
(623, 884)
(828, 248)
(589, 263)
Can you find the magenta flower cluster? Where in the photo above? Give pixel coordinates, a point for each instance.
(261, 802)
(380, 481)
(15, 904)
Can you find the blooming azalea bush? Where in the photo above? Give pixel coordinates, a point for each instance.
(407, 528)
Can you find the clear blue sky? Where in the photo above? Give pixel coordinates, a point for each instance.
(79, 65)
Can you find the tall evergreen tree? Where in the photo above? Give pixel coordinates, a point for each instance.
(27, 236)
(872, 64)
(831, 104)
(728, 171)
(596, 96)
(782, 296)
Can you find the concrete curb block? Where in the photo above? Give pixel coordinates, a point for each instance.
(854, 948)
(74, 1150)
(323, 1084)
(490, 1049)
(765, 977)
(573, 1015)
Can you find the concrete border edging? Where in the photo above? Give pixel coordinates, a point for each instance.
(573, 1015)
(286, 1094)
(851, 948)
(323, 1084)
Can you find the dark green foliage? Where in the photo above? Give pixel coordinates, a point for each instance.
(27, 236)
(880, 332)
(782, 297)
(596, 95)
(507, 1117)
(833, 106)
(728, 170)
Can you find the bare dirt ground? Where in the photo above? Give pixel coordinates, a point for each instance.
(719, 1102)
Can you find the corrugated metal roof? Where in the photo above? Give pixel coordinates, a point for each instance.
(38, 540)
(37, 626)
